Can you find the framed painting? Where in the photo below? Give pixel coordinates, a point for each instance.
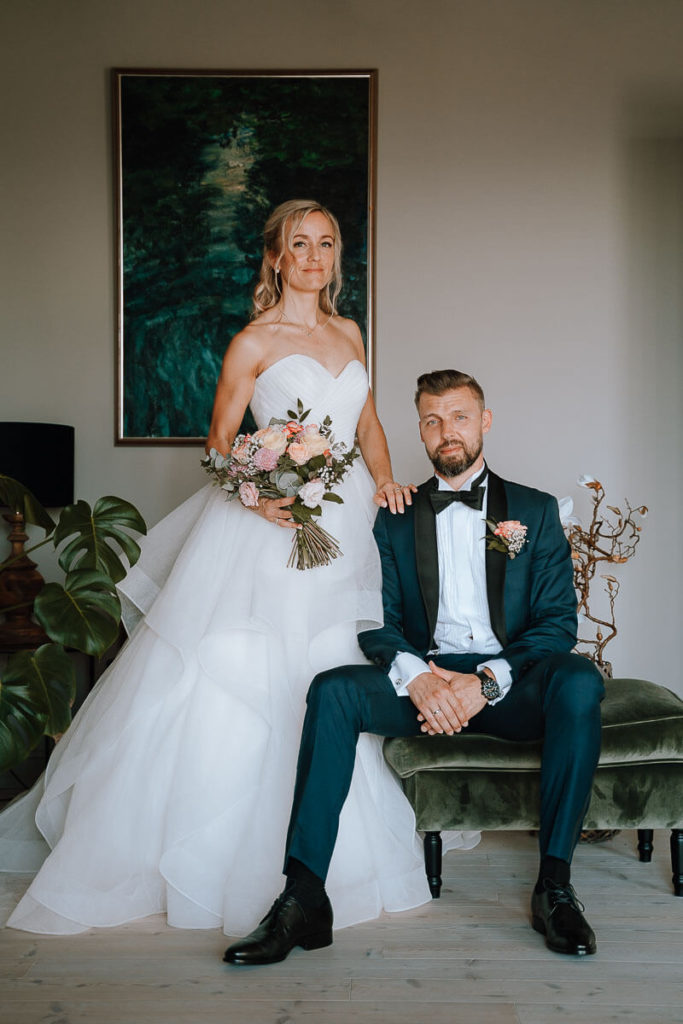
(201, 158)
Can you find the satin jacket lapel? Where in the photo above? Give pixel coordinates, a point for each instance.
(426, 553)
(496, 561)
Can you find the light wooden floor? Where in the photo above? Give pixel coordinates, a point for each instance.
(469, 958)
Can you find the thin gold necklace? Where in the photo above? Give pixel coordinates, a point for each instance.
(304, 328)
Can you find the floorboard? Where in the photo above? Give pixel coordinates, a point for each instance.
(470, 957)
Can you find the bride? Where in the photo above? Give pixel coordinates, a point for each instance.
(171, 790)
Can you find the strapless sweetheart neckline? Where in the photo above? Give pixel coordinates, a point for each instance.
(311, 359)
(301, 377)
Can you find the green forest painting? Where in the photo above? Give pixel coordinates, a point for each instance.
(202, 159)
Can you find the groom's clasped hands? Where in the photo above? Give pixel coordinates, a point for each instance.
(446, 700)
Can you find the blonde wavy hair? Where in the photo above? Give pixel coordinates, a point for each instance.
(278, 234)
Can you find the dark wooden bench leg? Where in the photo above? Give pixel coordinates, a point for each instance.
(677, 860)
(432, 845)
(645, 844)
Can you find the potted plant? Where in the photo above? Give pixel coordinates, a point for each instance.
(83, 613)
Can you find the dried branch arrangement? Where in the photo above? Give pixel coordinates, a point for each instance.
(611, 537)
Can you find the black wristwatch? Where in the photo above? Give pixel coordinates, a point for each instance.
(489, 687)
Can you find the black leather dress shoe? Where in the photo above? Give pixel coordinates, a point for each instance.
(557, 913)
(285, 926)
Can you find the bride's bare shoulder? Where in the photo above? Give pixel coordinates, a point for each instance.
(351, 331)
(253, 343)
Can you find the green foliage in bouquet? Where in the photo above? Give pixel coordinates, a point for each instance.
(37, 688)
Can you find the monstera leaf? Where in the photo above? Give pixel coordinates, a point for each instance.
(94, 529)
(84, 613)
(19, 499)
(36, 693)
(37, 687)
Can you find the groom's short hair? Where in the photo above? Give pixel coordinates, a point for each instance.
(439, 381)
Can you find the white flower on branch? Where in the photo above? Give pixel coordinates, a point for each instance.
(567, 517)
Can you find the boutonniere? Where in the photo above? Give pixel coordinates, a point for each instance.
(508, 536)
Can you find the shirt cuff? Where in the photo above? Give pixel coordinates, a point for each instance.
(404, 668)
(503, 673)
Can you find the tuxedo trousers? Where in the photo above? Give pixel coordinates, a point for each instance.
(557, 700)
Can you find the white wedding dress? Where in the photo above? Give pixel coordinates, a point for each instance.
(171, 790)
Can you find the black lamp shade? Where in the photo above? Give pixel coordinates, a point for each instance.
(41, 457)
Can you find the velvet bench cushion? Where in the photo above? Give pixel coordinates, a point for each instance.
(480, 782)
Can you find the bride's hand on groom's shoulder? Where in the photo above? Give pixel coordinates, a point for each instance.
(394, 496)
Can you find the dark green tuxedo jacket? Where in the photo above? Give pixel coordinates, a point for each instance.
(531, 597)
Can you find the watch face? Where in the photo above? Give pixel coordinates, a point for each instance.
(489, 687)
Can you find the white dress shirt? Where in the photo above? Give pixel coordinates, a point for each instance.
(463, 621)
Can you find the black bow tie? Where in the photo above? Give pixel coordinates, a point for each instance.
(473, 498)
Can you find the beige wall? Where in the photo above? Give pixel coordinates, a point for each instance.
(530, 230)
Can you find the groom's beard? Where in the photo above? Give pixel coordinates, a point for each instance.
(458, 462)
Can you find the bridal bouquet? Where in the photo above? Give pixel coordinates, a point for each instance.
(286, 459)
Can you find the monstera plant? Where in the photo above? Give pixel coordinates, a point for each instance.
(38, 687)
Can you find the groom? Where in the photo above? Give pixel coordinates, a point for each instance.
(479, 623)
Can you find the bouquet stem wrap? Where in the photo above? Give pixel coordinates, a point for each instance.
(312, 546)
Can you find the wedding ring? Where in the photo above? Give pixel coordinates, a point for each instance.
(437, 712)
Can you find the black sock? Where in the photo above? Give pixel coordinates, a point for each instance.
(302, 883)
(555, 870)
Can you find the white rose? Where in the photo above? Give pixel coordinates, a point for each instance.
(311, 493)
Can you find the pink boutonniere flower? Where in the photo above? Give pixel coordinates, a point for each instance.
(508, 536)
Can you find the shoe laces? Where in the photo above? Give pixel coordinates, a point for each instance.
(283, 898)
(563, 894)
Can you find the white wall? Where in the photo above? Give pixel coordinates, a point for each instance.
(530, 230)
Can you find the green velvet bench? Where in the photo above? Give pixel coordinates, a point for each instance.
(474, 781)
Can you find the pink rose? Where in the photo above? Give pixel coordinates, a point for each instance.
(508, 528)
(298, 453)
(266, 458)
(512, 534)
(249, 494)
